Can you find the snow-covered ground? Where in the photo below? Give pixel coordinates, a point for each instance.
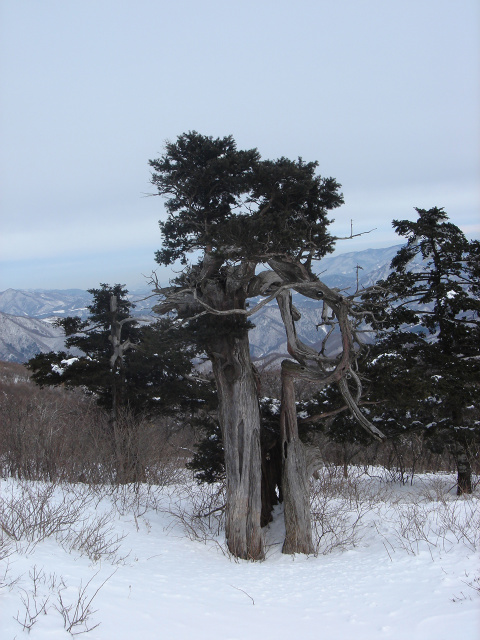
(410, 570)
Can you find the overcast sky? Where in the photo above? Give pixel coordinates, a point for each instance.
(383, 93)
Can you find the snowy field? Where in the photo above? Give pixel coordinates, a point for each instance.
(394, 561)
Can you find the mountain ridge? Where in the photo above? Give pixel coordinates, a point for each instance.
(26, 315)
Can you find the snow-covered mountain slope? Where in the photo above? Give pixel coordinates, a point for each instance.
(41, 303)
(21, 338)
(345, 264)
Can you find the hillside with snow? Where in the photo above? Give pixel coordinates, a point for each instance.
(119, 563)
(22, 337)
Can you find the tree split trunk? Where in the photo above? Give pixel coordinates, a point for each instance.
(222, 290)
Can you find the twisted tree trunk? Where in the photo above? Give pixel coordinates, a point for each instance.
(309, 365)
(238, 408)
(239, 417)
(220, 290)
(295, 480)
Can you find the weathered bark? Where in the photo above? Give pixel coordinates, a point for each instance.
(221, 290)
(239, 411)
(239, 417)
(295, 480)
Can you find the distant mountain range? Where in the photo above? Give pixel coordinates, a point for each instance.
(26, 316)
(59, 303)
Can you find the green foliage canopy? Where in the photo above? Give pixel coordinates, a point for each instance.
(238, 206)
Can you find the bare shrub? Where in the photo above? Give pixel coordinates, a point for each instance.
(403, 458)
(13, 373)
(473, 582)
(199, 510)
(54, 434)
(436, 487)
(7, 581)
(96, 539)
(151, 450)
(44, 593)
(34, 599)
(433, 519)
(339, 506)
(135, 499)
(413, 527)
(460, 519)
(31, 512)
(77, 613)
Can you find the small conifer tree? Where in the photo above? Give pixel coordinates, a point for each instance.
(426, 366)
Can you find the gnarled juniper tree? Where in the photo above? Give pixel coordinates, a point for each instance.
(235, 212)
